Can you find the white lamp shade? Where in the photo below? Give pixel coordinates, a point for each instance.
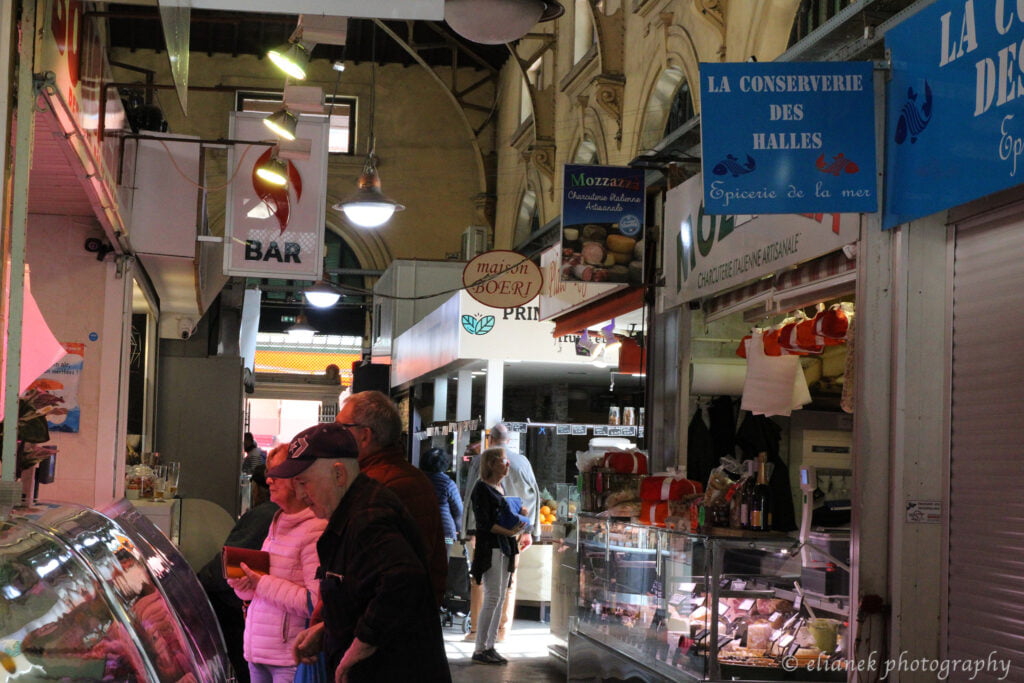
(322, 295)
(368, 214)
(322, 299)
(492, 22)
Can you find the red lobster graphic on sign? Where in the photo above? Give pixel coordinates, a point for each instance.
(277, 197)
(839, 164)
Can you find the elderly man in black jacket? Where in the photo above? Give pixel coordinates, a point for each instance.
(380, 620)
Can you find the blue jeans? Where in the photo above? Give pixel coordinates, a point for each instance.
(495, 582)
(265, 673)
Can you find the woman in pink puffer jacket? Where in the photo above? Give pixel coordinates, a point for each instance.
(279, 607)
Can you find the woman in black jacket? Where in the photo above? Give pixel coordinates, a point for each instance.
(496, 548)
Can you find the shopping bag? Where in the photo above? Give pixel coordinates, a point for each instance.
(317, 671)
(313, 673)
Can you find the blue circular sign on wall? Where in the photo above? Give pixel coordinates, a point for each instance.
(629, 225)
(93, 336)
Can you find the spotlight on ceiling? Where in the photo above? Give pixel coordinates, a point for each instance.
(293, 58)
(493, 22)
(283, 123)
(274, 170)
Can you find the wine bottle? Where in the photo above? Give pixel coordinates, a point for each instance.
(747, 495)
(760, 510)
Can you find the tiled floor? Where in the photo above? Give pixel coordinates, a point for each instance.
(526, 650)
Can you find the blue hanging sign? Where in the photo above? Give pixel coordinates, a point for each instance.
(782, 137)
(954, 123)
(602, 224)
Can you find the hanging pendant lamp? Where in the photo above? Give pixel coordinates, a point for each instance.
(368, 207)
(493, 22)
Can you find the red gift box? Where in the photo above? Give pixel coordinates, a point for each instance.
(653, 514)
(626, 462)
(668, 488)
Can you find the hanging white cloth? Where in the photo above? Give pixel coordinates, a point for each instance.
(774, 385)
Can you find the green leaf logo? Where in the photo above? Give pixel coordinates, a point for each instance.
(478, 326)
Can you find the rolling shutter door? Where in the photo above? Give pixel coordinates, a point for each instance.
(986, 532)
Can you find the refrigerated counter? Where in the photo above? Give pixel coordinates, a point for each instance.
(101, 595)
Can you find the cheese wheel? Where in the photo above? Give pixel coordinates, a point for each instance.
(620, 244)
(621, 259)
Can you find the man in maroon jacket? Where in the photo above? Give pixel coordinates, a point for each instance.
(374, 421)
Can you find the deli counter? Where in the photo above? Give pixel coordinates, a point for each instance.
(104, 596)
(657, 604)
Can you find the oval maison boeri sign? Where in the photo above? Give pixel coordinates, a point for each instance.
(502, 279)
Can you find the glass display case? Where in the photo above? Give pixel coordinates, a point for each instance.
(86, 595)
(661, 604)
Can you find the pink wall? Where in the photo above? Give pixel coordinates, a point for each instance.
(80, 296)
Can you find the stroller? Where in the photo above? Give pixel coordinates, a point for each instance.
(455, 606)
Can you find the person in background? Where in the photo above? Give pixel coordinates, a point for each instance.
(249, 532)
(376, 425)
(520, 482)
(380, 620)
(254, 455)
(434, 462)
(279, 602)
(494, 554)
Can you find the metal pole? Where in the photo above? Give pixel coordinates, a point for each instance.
(25, 118)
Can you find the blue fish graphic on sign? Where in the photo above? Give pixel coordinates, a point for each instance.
(913, 120)
(732, 165)
(475, 325)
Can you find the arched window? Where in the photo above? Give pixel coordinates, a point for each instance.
(534, 77)
(659, 105)
(682, 109)
(528, 217)
(586, 152)
(583, 30)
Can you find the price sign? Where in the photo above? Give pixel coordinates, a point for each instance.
(562, 429)
(600, 430)
(579, 430)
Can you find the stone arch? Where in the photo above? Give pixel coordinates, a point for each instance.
(593, 126)
(680, 65)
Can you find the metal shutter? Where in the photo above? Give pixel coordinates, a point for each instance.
(986, 526)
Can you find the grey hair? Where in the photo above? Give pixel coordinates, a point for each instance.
(378, 412)
(499, 433)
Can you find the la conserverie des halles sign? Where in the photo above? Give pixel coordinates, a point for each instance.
(788, 137)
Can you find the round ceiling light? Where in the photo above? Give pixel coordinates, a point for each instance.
(494, 22)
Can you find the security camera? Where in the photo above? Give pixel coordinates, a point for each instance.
(186, 326)
(94, 245)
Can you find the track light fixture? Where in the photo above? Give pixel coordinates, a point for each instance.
(283, 123)
(293, 58)
(274, 170)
